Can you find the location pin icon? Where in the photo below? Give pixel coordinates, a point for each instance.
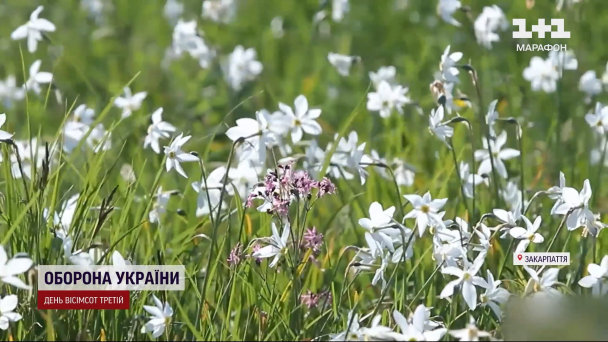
(519, 257)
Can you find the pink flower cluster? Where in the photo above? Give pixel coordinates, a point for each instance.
(283, 185)
(311, 300)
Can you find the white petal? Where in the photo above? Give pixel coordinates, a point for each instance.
(18, 266)
(43, 25)
(301, 106)
(32, 43)
(508, 153)
(595, 270)
(154, 311)
(588, 281)
(469, 294)
(19, 33)
(448, 290)
(8, 303)
(44, 77)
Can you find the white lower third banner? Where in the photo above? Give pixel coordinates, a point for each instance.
(112, 278)
(549, 259)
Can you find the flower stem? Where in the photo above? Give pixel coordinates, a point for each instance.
(486, 129)
(461, 181)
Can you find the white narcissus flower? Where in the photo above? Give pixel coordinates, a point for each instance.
(446, 10)
(449, 72)
(9, 91)
(175, 155)
(352, 332)
(494, 295)
(130, 102)
(596, 280)
(100, 139)
(438, 128)
(221, 11)
(83, 114)
(208, 198)
(599, 119)
(528, 234)
(487, 25)
(511, 194)
(338, 9)
(386, 98)
(376, 332)
(447, 254)
(542, 75)
(342, 63)
(577, 204)
(187, 39)
(7, 305)
(469, 180)
(555, 192)
(590, 84)
(118, 260)
(498, 155)
(379, 224)
(173, 10)
(32, 30)
(37, 78)
(358, 160)
(425, 211)
(416, 330)
(470, 333)
(491, 117)
(243, 177)
(9, 269)
(386, 73)
(484, 234)
(467, 279)
(3, 134)
(276, 27)
(302, 120)
(256, 135)
(160, 204)
(277, 245)
(563, 60)
(241, 66)
(508, 218)
(463, 229)
(542, 286)
(161, 316)
(158, 129)
(404, 172)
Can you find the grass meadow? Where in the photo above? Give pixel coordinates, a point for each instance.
(342, 168)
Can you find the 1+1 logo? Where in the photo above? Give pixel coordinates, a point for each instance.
(541, 29)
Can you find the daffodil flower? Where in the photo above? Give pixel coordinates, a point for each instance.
(161, 316)
(277, 245)
(32, 30)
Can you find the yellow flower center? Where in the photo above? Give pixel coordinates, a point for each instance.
(425, 209)
(297, 122)
(171, 154)
(467, 276)
(484, 298)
